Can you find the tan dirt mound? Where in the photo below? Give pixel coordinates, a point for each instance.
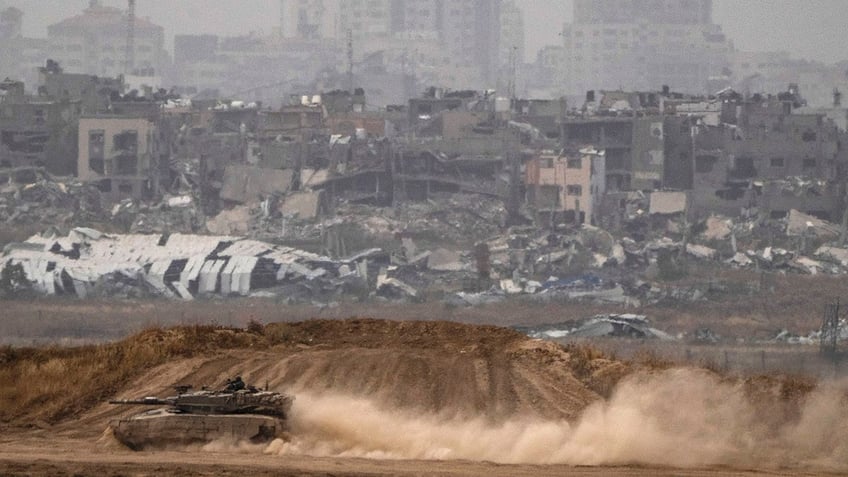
(441, 368)
(437, 390)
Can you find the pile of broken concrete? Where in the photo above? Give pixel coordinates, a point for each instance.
(30, 195)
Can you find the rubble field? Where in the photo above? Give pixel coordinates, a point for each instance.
(456, 250)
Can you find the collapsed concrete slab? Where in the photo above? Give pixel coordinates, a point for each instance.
(701, 251)
(801, 224)
(836, 254)
(390, 287)
(667, 203)
(233, 221)
(310, 178)
(606, 325)
(304, 205)
(717, 228)
(246, 184)
(444, 260)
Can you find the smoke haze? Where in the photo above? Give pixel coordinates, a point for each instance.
(812, 29)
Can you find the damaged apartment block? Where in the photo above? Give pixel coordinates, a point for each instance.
(564, 188)
(120, 154)
(764, 155)
(36, 130)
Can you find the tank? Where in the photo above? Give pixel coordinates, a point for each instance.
(235, 413)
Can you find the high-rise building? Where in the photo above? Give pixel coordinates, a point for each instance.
(193, 48)
(467, 31)
(417, 18)
(642, 45)
(11, 21)
(20, 57)
(471, 34)
(366, 18)
(670, 12)
(309, 19)
(512, 44)
(95, 42)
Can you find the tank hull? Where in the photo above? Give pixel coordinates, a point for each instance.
(161, 429)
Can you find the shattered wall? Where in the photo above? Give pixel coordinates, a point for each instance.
(615, 136)
(679, 162)
(648, 153)
(459, 124)
(92, 91)
(301, 121)
(347, 124)
(39, 132)
(772, 160)
(247, 184)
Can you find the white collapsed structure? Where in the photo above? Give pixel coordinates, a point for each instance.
(177, 265)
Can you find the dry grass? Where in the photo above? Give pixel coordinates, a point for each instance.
(54, 383)
(581, 358)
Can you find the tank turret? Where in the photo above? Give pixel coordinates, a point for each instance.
(244, 401)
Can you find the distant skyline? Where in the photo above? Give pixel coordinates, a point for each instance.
(809, 29)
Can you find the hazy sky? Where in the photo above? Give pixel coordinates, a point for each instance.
(812, 29)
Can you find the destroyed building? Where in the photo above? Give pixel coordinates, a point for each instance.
(634, 147)
(735, 154)
(94, 93)
(566, 188)
(122, 155)
(769, 157)
(37, 130)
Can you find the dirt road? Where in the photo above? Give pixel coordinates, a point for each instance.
(42, 456)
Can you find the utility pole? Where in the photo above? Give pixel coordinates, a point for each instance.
(513, 162)
(129, 63)
(350, 61)
(830, 330)
(513, 54)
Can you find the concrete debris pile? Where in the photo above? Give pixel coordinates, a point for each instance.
(787, 337)
(717, 228)
(799, 224)
(528, 251)
(173, 214)
(812, 338)
(450, 218)
(586, 288)
(605, 325)
(454, 246)
(829, 260)
(31, 195)
(706, 336)
(799, 234)
(87, 262)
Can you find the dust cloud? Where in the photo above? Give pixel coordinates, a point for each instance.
(680, 417)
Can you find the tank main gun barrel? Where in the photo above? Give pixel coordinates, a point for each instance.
(148, 401)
